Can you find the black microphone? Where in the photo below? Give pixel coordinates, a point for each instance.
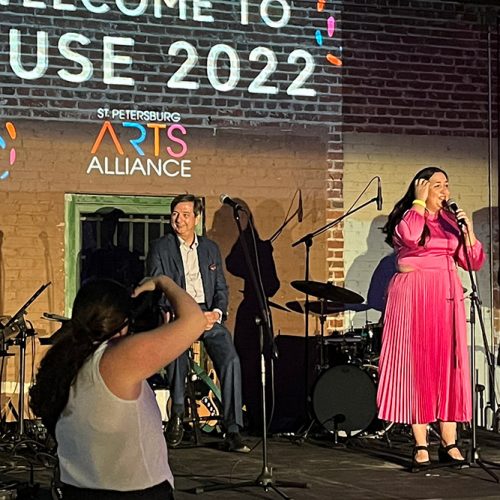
(452, 205)
(379, 194)
(226, 200)
(300, 210)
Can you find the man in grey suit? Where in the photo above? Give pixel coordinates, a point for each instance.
(195, 264)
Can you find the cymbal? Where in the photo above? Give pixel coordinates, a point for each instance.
(45, 340)
(327, 291)
(277, 306)
(324, 308)
(273, 304)
(55, 317)
(296, 306)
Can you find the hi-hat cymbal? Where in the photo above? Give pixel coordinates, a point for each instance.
(296, 306)
(277, 306)
(328, 291)
(321, 307)
(324, 308)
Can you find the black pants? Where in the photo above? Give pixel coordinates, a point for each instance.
(162, 491)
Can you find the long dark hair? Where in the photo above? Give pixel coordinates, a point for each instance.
(405, 203)
(100, 310)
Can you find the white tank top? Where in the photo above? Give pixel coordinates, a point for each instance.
(109, 443)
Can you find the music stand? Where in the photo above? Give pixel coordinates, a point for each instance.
(20, 340)
(263, 320)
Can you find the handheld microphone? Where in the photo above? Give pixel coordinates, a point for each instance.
(226, 200)
(452, 205)
(379, 194)
(300, 210)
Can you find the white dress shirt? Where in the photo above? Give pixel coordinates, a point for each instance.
(192, 274)
(194, 283)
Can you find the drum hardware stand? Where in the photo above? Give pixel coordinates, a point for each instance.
(20, 340)
(308, 241)
(263, 320)
(322, 319)
(496, 421)
(338, 419)
(3, 354)
(480, 393)
(384, 433)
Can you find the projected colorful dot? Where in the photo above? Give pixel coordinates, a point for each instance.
(12, 133)
(330, 30)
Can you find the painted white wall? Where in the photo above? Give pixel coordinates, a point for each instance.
(396, 158)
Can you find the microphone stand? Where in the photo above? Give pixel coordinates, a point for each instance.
(308, 241)
(285, 223)
(298, 213)
(263, 320)
(20, 340)
(474, 459)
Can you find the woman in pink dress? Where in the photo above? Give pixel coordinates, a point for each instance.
(424, 363)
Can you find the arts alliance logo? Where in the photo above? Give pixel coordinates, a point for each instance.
(12, 133)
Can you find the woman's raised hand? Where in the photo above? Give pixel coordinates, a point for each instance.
(146, 285)
(422, 189)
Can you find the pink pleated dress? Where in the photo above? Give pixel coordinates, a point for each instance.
(424, 362)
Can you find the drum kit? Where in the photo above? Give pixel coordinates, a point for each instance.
(344, 392)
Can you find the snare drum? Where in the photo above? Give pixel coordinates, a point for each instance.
(344, 348)
(370, 340)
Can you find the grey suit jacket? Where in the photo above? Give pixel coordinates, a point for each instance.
(164, 257)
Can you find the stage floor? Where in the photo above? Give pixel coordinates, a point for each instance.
(366, 468)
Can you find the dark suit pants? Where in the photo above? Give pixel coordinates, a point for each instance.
(219, 346)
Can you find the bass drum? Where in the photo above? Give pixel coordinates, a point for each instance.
(344, 398)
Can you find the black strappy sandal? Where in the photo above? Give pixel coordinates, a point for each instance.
(419, 466)
(446, 458)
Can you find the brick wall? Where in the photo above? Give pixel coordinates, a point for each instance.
(51, 98)
(264, 171)
(367, 257)
(367, 155)
(417, 67)
(151, 65)
(420, 68)
(411, 68)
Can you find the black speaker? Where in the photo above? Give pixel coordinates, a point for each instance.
(290, 411)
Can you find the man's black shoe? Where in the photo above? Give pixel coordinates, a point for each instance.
(174, 430)
(233, 442)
